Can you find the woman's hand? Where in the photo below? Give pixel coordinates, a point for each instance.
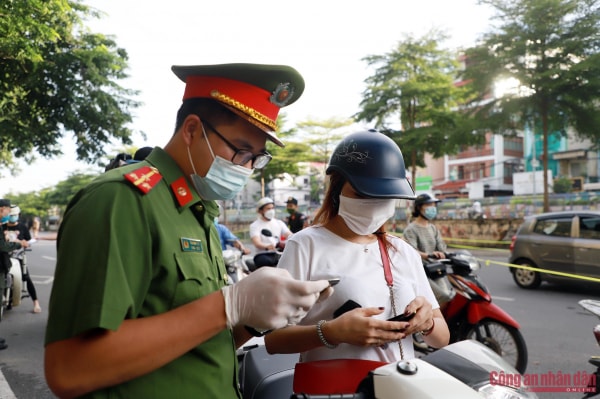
(423, 319)
(429, 322)
(358, 327)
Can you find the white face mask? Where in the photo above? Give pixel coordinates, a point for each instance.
(223, 180)
(365, 215)
(270, 214)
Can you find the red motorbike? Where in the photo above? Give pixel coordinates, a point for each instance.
(470, 314)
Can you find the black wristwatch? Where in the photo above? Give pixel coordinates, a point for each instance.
(255, 332)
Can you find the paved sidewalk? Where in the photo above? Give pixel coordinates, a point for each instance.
(5, 391)
(47, 235)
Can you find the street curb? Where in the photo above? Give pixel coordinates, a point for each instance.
(5, 391)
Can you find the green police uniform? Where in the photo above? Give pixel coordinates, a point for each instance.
(127, 249)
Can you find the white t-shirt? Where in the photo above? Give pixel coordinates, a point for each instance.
(316, 253)
(276, 226)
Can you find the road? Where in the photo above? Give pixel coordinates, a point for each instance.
(558, 333)
(22, 362)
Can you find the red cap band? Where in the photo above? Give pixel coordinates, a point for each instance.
(249, 99)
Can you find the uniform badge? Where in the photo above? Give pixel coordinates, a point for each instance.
(182, 191)
(282, 94)
(191, 245)
(144, 178)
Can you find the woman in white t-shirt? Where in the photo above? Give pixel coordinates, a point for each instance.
(367, 175)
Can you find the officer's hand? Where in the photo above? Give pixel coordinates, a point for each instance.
(270, 298)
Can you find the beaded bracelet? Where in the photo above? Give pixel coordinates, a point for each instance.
(322, 337)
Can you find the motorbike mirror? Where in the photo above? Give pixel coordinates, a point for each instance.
(266, 233)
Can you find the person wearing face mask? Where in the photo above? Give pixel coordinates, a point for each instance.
(19, 232)
(421, 233)
(6, 246)
(140, 306)
(426, 238)
(296, 220)
(266, 220)
(381, 276)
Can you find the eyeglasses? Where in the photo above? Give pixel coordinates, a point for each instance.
(242, 157)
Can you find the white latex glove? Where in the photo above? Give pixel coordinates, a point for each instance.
(269, 298)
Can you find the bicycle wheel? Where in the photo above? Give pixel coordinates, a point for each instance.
(503, 339)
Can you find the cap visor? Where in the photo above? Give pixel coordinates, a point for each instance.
(383, 188)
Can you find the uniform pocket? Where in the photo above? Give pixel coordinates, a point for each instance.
(195, 278)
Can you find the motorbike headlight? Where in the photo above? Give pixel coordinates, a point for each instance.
(490, 391)
(468, 259)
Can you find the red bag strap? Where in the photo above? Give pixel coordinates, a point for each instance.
(385, 258)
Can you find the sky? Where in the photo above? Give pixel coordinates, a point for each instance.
(324, 40)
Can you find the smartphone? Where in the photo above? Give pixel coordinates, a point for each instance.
(346, 307)
(333, 281)
(403, 317)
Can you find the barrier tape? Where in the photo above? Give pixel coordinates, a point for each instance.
(497, 242)
(488, 262)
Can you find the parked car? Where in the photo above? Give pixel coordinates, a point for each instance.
(566, 242)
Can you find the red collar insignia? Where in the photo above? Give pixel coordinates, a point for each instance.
(182, 191)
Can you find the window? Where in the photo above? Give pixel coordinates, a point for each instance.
(589, 227)
(557, 227)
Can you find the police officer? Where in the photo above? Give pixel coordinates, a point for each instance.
(296, 221)
(140, 307)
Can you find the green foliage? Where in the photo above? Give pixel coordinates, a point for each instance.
(321, 136)
(31, 204)
(414, 85)
(62, 193)
(40, 203)
(562, 185)
(56, 78)
(311, 141)
(550, 50)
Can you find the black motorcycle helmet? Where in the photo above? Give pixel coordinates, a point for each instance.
(373, 164)
(421, 200)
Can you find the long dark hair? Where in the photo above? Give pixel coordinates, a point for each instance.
(331, 204)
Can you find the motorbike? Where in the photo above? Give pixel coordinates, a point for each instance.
(236, 264)
(12, 285)
(465, 369)
(267, 258)
(593, 306)
(471, 314)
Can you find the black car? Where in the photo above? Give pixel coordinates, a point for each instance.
(567, 242)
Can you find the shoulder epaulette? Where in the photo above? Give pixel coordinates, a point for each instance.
(144, 178)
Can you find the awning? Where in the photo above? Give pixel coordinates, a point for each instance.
(572, 154)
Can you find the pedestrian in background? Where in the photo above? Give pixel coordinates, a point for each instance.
(296, 221)
(6, 247)
(22, 234)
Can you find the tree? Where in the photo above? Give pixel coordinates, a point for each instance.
(310, 141)
(550, 50)
(321, 136)
(415, 85)
(562, 185)
(61, 194)
(57, 77)
(284, 159)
